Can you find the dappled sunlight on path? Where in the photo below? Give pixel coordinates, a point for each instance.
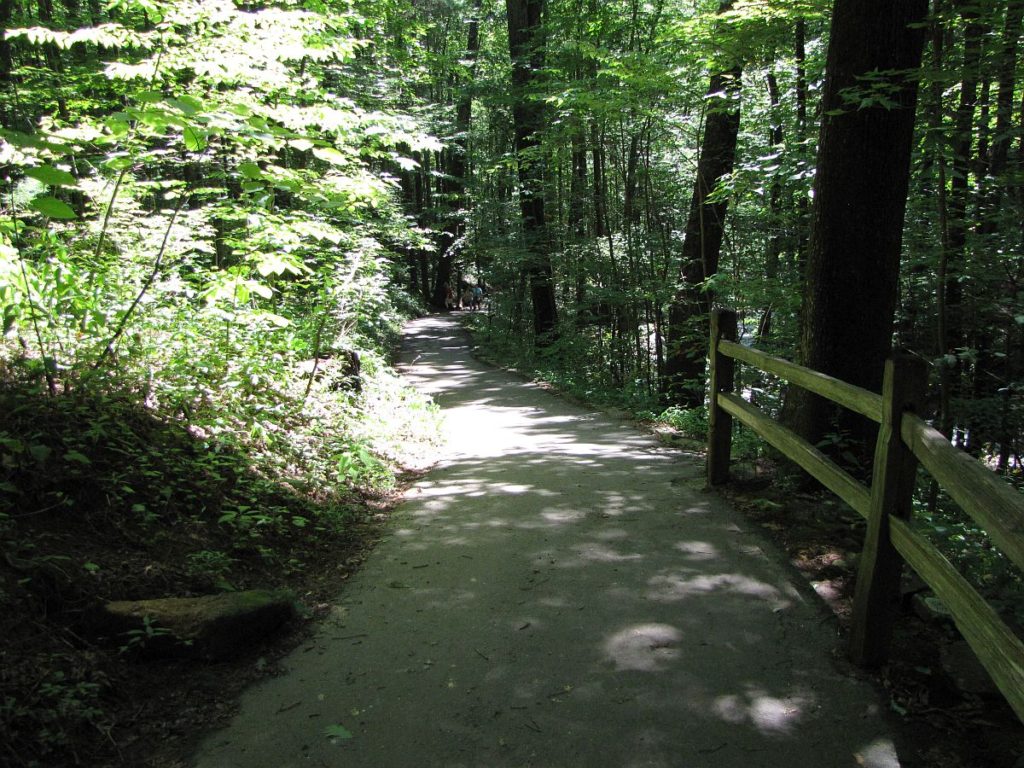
(559, 591)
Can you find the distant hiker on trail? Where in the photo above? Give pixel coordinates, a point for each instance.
(467, 298)
(449, 297)
(478, 296)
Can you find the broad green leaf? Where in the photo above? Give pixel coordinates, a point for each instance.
(52, 208)
(118, 124)
(260, 289)
(337, 732)
(40, 452)
(250, 170)
(277, 320)
(52, 176)
(330, 155)
(28, 140)
(194, 140)
(187, 104)
(77, 457)
(149, 97)
(117, 163)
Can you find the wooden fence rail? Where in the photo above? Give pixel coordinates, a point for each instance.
(904, 442)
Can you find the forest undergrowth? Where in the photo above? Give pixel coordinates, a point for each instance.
(106, 498)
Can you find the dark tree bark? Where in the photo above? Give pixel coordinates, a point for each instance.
(860, 192)
(578, 211)
(526, 47)
(1007, 85)
(963, 136)
(689, 314)
(774, 247)
(455, 184)
(6, 66)
(802, 206)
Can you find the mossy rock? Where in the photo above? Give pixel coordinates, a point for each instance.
(211, 627)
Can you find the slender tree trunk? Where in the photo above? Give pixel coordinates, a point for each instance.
(1007, 85)
(526, 47)
(803, 204)
(457, 165)
(52, 53)
(774, 247)
(689, 312)
(963, 135)
(860, 193)
(7, 85)
(578, 213)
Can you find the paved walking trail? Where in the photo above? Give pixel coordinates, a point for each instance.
(559, 592)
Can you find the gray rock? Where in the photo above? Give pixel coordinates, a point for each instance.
(210, 627)
(929, 608)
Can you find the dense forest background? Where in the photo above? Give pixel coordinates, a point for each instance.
(214, 216)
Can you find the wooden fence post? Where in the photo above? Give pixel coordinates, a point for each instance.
(722, 379)
(892, 489)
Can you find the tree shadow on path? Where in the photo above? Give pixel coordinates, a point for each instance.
(559, 591)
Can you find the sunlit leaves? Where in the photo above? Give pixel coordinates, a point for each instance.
(194, 140)
(250, 170)
(330, 155)
(104, 35)
(52, 208)
(55, 177)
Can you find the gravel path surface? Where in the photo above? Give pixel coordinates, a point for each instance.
(558, 592)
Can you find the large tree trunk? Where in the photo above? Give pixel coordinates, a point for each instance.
(688, 317)
(526, 47)
(860, 192)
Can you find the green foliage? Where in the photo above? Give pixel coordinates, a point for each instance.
(691, 422)
(200, 230)
(968, 547)
(136, 640)
(58, 710)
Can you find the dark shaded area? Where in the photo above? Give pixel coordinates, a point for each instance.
(101, 500)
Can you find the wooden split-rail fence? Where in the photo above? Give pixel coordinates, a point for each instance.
(905, 441)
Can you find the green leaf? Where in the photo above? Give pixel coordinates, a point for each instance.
(117, 163)
(250, 170)
(149, 97)
(330, 155)
(52, 207)
(23, 140)
(40, 452)
(337, 732)
(194, 140)
(187, 104)
(75, 456)
(52, 176)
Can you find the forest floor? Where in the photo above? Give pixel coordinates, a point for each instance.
(509, 710)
